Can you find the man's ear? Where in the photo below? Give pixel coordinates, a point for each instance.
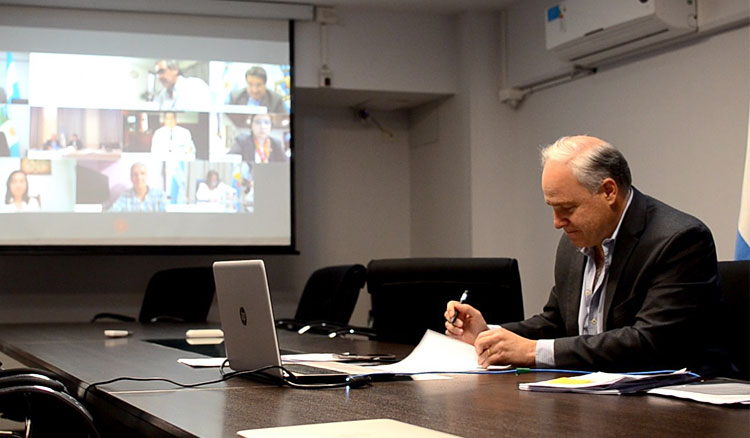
(609, 189)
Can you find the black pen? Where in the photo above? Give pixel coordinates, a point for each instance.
(462, 300)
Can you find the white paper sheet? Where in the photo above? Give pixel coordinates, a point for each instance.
(347, 429)
(207, 362)
(717, 393)
(437, 353)
(202, 362)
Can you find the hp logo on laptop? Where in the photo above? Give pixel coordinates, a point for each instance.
(243, 316)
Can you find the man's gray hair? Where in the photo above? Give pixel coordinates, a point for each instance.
(590, 164)
(172, 64)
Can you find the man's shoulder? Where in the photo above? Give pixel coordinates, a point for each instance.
(155, 191)
(238, 96)
(122, 201)
(662, 216)
(274, 102)
(655, 223)
(129, 193)
(161, 95)
(193, 82)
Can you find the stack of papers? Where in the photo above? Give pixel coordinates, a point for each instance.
(608, 383)
(713, 392)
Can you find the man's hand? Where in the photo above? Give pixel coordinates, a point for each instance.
(468, 324)
(503, 347)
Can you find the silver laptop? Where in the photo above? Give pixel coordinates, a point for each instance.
(249, 329)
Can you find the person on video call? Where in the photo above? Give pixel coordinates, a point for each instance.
(256, 93)
(53, 144)
(259, 146)
(635, 279)
(180, 92)
(141, 197)
(172, 140)
(214, 191)
(75, 142)
(17, 197)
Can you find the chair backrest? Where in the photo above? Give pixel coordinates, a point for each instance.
(330, 294)
(40, 401)
(735, 315)
(178, 294)
(409, 295)
(46, 412)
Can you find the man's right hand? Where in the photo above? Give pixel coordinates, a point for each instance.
(467, 325)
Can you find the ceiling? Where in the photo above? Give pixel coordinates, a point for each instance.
(434, 6)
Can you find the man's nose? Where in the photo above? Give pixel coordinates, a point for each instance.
(558, 221)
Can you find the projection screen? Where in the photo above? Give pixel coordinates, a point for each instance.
(136, 130)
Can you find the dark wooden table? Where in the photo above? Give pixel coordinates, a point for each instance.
(465, 405)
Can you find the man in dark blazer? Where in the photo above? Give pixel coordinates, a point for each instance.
(256, 93)
(636, 280)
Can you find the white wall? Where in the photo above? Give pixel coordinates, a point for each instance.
(381, 50)
(352, 197)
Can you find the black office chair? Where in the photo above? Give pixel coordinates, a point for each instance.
(409, 295)
(176, 295)
(735, 315)
(328, 299)
(41, 404)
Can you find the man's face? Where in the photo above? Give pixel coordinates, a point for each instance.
(169, 120)
(139, 177)
(586, 218)
(256, 87)
(213, 180)
(167, 76)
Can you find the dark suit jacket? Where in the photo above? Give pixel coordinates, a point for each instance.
(660, 297)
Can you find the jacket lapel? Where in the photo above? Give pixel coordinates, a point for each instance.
(627, 239)
(574, 270)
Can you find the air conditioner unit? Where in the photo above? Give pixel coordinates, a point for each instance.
(587, 32)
